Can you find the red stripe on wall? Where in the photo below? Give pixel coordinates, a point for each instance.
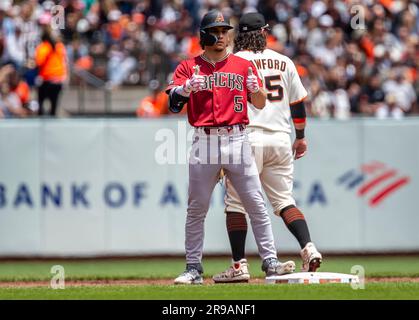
(388, 190)
(372, 167)
(371, 184)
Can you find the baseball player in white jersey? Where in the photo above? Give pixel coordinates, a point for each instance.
(269, 133)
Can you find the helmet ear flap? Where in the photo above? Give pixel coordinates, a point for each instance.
(207, 38)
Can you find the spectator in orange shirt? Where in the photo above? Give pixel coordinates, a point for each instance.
(10, 103)
(155, 104)
(20, 87)
(51, 59)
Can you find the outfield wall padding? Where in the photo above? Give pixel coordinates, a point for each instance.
(81, 187)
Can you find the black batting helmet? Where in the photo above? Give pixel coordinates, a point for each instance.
(213, 18)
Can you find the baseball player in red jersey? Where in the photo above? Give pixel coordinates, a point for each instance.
(269, 134)
(216, 85)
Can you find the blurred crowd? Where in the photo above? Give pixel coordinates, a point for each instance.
(355, 57)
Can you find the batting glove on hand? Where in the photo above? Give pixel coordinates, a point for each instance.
(252, 83)
(196, 83)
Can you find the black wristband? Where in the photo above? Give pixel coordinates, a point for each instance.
(299, 133)
(176, 101)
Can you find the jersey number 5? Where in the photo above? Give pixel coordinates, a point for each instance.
(238, 103)
(276, 92)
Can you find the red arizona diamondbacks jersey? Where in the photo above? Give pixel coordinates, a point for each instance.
(223, 101)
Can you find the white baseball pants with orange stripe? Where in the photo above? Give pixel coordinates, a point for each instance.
(275, 164)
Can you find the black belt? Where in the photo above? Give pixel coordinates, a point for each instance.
(228, 129)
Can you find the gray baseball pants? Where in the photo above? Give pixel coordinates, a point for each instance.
(230, 151)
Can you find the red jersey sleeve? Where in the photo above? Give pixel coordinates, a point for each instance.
(181, 74)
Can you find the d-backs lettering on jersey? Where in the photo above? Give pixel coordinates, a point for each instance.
(283, 87)
(224, 79)
(223, 101)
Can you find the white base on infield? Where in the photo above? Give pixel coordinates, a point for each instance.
(313, 278)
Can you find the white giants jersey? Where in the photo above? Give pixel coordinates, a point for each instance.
(283, 87)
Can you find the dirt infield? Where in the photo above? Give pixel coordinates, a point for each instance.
(143, 282)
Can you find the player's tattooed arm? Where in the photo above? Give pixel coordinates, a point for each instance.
(258, 99)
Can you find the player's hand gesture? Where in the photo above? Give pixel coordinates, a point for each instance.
(196, 83)
(252, 83)
(299, 148)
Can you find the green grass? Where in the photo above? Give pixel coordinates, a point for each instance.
(388, 291)
(170, 268)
